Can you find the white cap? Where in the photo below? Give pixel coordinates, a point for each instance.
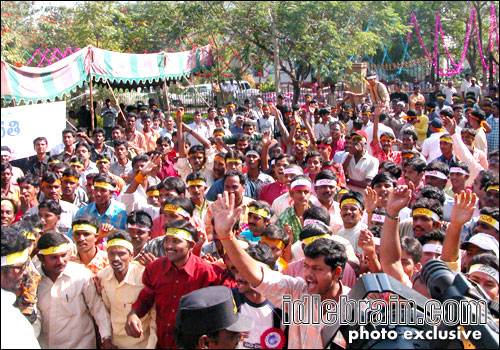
(483, 241)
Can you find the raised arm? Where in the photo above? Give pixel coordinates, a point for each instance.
(180, 132)
(390, 243)
(376, 119)
(461, 213)
(204, 141)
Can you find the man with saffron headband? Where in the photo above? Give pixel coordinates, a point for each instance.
(67, 298)
(300, 192)
(446, 146)
(105, 209)
(278, 241)
(17, 331)
(383, 150)
(103, 163)
(197, 186)
(85, 237)
(121, 284)
(477, 120)
(72, 192)
(168, 278)
(51, 188)
(375, 89)
(430, 147)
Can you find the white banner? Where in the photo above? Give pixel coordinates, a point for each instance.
(23, 124)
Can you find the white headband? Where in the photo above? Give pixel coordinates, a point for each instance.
(301, 182)
(293, 171)
(139, 227)
(5, 153)
(312, 221)
(458, 170)
(326, 182)
(432, 248)
(252, 153)
(486, 269)
(437, 174)
(378, 218)
(376, 240)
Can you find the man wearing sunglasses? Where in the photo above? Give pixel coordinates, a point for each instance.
(17, 332)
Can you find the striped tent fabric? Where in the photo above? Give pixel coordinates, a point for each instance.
(32, 85)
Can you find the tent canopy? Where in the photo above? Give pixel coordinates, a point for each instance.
(122, 70)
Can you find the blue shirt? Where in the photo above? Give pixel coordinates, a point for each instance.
(218, 187)
(115, 215)
(249, 236)
(492, 138)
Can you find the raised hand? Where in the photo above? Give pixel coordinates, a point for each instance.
(399, 199)
(465, 204)
(449, 124)
(227, 213)
(379, 107)
(370, 199)
(104, 231)
(153, 163)
(366, 242)
(209, 258)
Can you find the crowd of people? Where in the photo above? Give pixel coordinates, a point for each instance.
(154, 233)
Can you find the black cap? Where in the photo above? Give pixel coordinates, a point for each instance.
(210, 309)
(436, 123)
(143, 108)
(324, 111)
(281, 96)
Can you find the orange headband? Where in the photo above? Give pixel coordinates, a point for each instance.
(45, 183)
(219, 159)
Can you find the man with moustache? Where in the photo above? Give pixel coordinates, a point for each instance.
(325, 186)
(121, 284)
(352, 205)
(259, 217)
(168, 278)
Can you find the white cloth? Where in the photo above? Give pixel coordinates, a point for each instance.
(449, 93)
(352, 235)
(57, 149)
(430, 147)
(67, 215)
(476, 90)
(66, 306)
(264, 124)
(365, 169)
(465, 85)
(202, 130)
(369, 134)
(138, 201)
(321, 130)
(17, 332)
(335, 219)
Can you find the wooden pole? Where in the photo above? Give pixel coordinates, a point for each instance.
(114, 97)
(91, 106)
(195, 90)
(165, 87)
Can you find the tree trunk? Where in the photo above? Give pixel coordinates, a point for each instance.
(296, 91)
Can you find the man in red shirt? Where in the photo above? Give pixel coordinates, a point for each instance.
(383, 150)
(168, 278)
(272, 191)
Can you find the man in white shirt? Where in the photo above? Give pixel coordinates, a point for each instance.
(449, 90)
(476, 89)
(465, 85)
(430, 147)
(382, 128)
(352, 205)
(197, 126)
(322, 129)
(67, 298)
(266, 122)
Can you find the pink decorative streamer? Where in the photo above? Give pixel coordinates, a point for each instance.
(53, 53)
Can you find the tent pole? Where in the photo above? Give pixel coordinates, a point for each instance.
(196, 90)
(165, 87)
(114, 97)
(91, 106)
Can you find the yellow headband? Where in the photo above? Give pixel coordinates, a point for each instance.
(358, 136)
(45, 183)
(29, 235)
(153, 193)
(72, 178)
(104, 185)
(489, 220)
(7, 201)
(278, 242)
(15, 258)
(260, 212)
(55, 250)
(446, 139)
(76, 163)
(85, 227)
(492, 188)
(309, 240)
(178, 210)
(55, 161)
(103, 160)
(219, 133)
(350, 201)
(426, 212)
(179, 233)
(233, 160)
(302, 142)
(197, 183)
(220, 159)
(118, 242)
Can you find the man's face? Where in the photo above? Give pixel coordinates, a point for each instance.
(170, 216)
(233, 185)
(277, 251)
(256, 223)
(6, 176)
(313, 165)
(83, 152)
(55, 263)
(252, 161)
(147, 123)
(489, 284)
(102, 196)
(139, 238)
(231, 109)
(176, 248)
(84, 240)
(130, 123)
(259, 102)
(197, 192)
(76, 167)
(212, 114)
(300, 148)
(234, 166)
(320, 277)
(69, 186)
(485, 228)
(5, 158)
(458, 180)
(358, 144)
(409, 266)
(164, 148)
(418, 109)
(468, 139)
(351, 215)
(13, 276)
(436, 182)
(325, 193)
(52, 191)
(457, 114)
(116, 134)
(241, 145)
(383, 190)
(386, 144)
(98, 138)
(446, 147)
(169, 122)
(301, 197)
(121, 152)
(249, 130)
(28, 192)
(119, 259)
(279, 166)
(49, 220)
(491, 199)
(472, 251)
(225, 340)
(197, 161)
(167, 193)
(68, 139)
(408, 142)
(198, 118)
(266, 111)
(422, 224)
(325, 151)
(7, 214)
(103, 167)
(219, 168)
(40, 146)
(426, 256)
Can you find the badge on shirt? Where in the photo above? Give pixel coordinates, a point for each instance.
(273, 338)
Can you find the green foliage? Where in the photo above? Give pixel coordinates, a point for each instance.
(268, 86)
